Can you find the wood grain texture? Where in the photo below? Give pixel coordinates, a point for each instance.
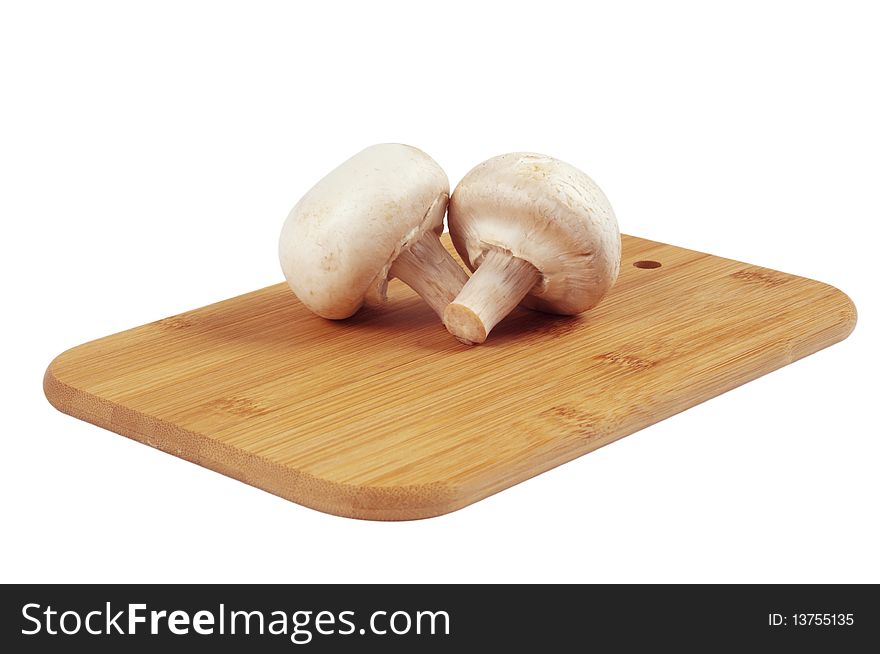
(386, 416)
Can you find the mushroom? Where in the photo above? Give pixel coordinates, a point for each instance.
(378, 215)
(532, 228)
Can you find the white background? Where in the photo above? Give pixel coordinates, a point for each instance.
(149, 153)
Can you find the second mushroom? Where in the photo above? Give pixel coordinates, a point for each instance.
(535, 230)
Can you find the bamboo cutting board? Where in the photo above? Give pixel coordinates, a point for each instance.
(386, 416)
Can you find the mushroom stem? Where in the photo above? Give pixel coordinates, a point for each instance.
(497, 286)
(428, 269)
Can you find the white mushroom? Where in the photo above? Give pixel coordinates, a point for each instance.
(531, 227)
(378, 215)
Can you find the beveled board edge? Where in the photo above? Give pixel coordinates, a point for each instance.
(350, 501)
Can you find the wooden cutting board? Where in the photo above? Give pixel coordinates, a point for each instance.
(386, 416)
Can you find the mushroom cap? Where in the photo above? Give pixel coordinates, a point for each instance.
(546, 212)
(341, 238)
